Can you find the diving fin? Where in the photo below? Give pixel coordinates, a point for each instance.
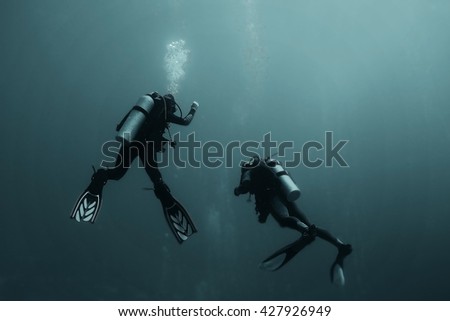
(337, 269)
(176, 215)
(179, 221)
(285, 254)
(88, 204)
(87, 207)
(337, 275)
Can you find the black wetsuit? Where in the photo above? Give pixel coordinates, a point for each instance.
(259, 180)
(148, 141)
(147, 144)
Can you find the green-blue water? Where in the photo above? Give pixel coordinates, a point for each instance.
(375, 73)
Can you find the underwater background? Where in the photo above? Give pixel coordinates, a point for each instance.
(375, 73)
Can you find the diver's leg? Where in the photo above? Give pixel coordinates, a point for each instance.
(281, 214)
(123, 161)
(327, 236)
(285, 254)
(176, 215)
(337, 268)
(151, 167)
(89, 203)
(295, 211)
(126, 156)
(162, 191)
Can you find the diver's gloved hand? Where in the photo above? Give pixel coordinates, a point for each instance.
(243, 188)
(262, 218)
(237, 191)
(195, 105)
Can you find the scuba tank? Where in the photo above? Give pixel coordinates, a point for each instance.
(133, 121)
(287, 186)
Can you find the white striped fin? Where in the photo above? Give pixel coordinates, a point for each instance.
(87, 208)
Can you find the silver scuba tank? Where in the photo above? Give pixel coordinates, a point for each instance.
(288, 188)
(135, 119)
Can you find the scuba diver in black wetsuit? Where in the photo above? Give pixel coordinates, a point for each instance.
(275, 193)
(141, 134)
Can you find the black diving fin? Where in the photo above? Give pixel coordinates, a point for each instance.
(285, 254)
(88, 204)
(337, 268)
(179, 221)
(176, 215)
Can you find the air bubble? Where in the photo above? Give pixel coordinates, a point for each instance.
(175, 61)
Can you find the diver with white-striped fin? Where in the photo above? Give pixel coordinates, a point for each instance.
(275, 193)
(141, 134)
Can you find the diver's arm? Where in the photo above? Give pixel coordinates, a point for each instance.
(186, 120)
(244, 186)
(241, 189)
